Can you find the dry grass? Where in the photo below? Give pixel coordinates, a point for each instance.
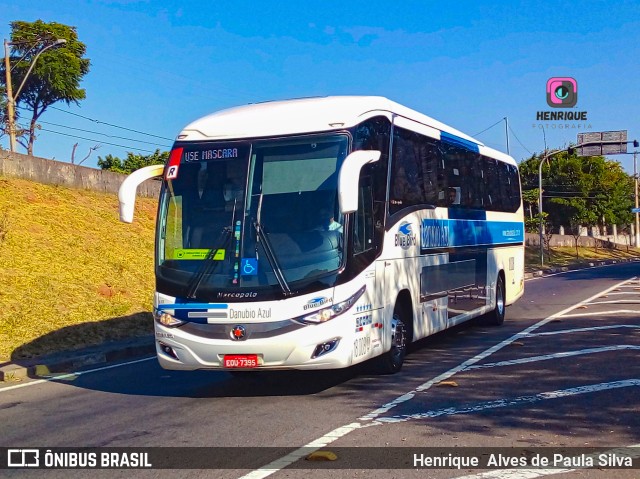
(66, 261)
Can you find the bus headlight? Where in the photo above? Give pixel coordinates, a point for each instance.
(326, 314)
(167, 320)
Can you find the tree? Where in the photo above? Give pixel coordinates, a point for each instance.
(132, 162)
(55, 76)
(589, 189)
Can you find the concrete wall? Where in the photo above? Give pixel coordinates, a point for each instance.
(65, 174)
(533, 239)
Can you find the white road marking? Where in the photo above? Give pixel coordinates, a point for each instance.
(71, 375)
(546, 357)
(518, 401)
(365, 420)
(602, 313)
(620, 301)
(622, 293)
(581, 330)
(479, 357)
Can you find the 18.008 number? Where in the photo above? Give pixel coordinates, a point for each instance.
(361, 346)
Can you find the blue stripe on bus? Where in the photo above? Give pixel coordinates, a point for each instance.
(457, 141)
(456, 233)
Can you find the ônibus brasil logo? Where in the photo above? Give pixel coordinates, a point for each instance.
(405, 237)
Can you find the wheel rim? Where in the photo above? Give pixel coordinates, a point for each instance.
(500, 298)
(399, 340)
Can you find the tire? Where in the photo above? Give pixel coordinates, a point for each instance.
(391, 361)
(496, 317)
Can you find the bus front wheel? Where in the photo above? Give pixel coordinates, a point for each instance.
(391, 361)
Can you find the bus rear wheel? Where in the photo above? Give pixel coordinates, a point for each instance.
(391, 361)
(496, 317)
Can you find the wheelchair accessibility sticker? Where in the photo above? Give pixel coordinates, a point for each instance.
(249, 267)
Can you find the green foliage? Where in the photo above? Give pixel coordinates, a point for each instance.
(132, 162)
(532, 225)
(579, 190)
(56, 74)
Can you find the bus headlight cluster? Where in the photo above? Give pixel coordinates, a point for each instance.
(326, 314)
(166, 319)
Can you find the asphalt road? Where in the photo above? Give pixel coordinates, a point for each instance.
(561, 372)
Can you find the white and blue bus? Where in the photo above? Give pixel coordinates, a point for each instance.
(320, 233)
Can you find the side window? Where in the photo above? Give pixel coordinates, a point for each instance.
(501, 185)
(492, 199)
(453, 189)
(363, 231)
(514, 188)
(414, 172)
(374, 134)
(406, 175)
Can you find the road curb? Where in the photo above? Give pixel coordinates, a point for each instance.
(72, 361)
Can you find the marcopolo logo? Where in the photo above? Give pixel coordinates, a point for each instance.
(562, 92)
(405, 237)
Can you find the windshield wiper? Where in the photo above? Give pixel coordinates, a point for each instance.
(271, 258)
(209, 264)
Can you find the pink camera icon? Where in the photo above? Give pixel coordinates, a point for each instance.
(562, 92)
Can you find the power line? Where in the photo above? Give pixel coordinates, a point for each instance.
(110, 124)
(497, 122)
(518, 139)
(93, 140)
(103, 134)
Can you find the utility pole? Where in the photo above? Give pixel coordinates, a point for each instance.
(635, 180)
(541, 224)
(506, 130)
(10, 106)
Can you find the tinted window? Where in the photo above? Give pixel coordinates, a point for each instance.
(414, 172)
(431, 172)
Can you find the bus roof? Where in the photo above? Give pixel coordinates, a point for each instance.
(309, 115)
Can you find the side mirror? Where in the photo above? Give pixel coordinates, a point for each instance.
(348, 178)
(128, 188)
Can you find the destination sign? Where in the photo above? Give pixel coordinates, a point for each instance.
(206, 152)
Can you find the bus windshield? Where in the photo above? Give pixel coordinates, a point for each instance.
(251, 215)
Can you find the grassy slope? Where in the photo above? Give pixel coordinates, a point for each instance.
(66, 260)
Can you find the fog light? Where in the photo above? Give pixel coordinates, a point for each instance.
(324, 348)
(168, 350)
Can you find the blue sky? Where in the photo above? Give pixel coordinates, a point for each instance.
(156, 66)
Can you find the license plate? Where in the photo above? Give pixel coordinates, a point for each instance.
(240, 361)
